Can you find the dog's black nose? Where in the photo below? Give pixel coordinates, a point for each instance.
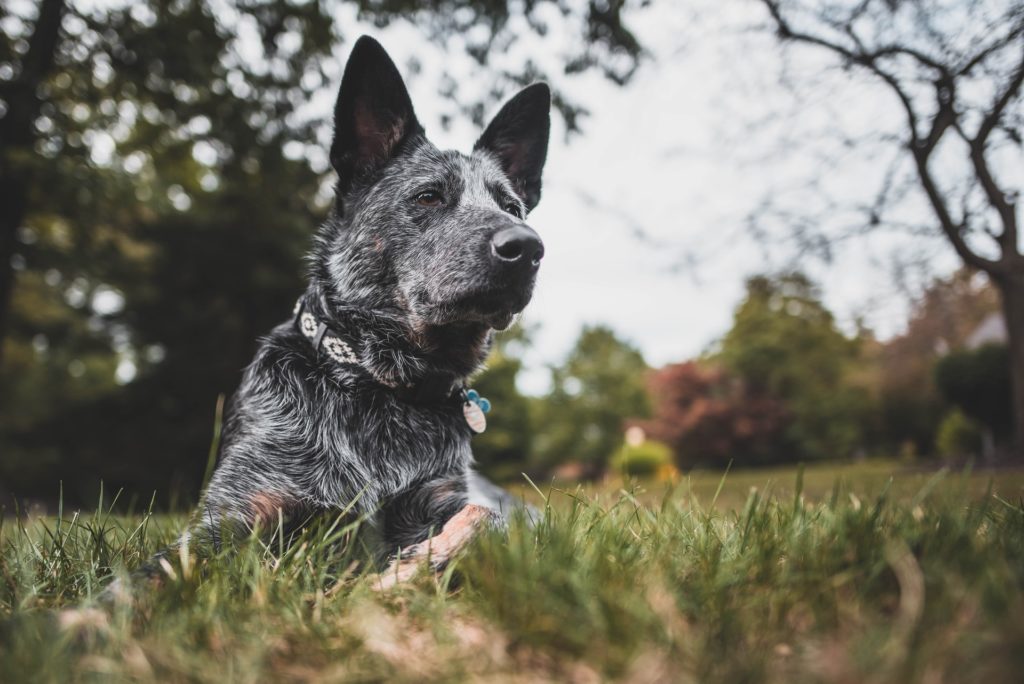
(517, 245)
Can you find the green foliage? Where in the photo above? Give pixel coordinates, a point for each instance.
(190, 224)
(599, 386)
(642, 460)
(865, 586)
(784, 344)
(978, 383)
(958, 435)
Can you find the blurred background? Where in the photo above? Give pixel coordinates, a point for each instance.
(776, 232)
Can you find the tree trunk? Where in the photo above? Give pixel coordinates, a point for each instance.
(17, 139)
(1011, 290)
(12, 211)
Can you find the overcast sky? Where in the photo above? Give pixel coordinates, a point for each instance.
(684, 154)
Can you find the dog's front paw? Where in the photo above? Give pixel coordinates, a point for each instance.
(439, 550)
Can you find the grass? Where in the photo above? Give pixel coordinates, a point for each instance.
(825, 575)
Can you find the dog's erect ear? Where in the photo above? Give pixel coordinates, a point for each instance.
(373, 114)
(518, 137)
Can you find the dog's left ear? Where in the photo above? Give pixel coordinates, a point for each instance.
(518, 137)
(373, 114)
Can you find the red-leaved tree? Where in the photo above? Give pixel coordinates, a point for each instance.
(709, 418)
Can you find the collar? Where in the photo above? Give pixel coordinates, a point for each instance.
(343, 347)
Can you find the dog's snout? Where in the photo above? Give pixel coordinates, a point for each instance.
(517, 245)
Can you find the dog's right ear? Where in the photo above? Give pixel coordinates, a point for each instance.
(373, 114)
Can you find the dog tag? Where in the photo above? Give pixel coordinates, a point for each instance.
(475, 417)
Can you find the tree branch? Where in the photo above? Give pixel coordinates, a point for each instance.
(998, 44)
(20, 93)
(949, 227)
(1002, 100)
(944, 119)
(786, 32)
(1006, 208)
(924, 59)
(921, 148)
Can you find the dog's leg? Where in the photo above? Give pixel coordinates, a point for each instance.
(437, 551)
(431, 522)
(229, 511)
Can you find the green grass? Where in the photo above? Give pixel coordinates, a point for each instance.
(828, 575)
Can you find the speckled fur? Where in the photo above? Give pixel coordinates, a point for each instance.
(414, 285)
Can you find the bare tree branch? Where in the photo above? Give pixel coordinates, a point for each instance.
(786, 32)
(1006, 208)
(920, 147)
(951, 228)
(1002, 100)
(996, 45)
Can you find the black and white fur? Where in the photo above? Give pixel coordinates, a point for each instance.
(412, 267)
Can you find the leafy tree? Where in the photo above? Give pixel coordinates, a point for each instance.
(599, 386)
(784, 345)
(162, 233)
(977, 381)
(710, 418)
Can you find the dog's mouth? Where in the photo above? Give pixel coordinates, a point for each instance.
(496, 307)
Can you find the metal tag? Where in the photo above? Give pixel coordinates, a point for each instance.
(474, 417)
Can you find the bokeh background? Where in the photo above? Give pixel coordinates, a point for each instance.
(777, 231)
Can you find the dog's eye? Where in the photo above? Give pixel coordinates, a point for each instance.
(513, 208)
(429, 199)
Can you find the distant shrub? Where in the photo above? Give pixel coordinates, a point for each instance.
(644, 459)
(709, 418)
(977, 381)
(958, 435)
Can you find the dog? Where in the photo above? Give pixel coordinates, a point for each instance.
(359, 401)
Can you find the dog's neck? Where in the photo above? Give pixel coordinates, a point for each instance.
(394, 351)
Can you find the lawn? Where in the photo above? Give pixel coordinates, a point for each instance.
(870, 572)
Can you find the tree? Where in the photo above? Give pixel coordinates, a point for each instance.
(157, 183)
(21, 106)
(784, 345)
(955, 71)
(599, 386)
(977, 382)
(710, 418)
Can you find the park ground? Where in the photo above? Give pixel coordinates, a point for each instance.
(868, 572)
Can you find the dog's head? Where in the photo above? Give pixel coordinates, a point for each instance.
(437, 236)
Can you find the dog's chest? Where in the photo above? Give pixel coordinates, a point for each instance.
(336, 434)
(385, 445)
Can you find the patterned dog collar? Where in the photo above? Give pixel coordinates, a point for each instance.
(319, 334)
(432, 389)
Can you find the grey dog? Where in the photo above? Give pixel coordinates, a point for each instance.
(359, 401)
